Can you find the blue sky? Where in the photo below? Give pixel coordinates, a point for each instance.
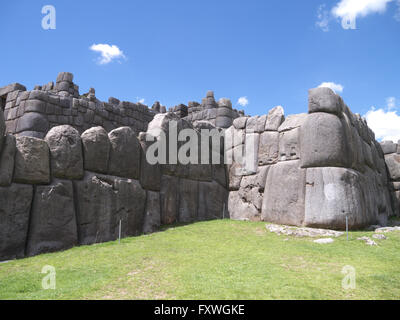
(269, 51)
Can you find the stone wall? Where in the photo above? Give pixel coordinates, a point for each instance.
(72, 189)
(314, 169)
(34, 113)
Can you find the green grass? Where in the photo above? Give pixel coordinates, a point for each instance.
(211, 260)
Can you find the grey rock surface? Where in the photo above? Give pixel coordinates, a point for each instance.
(275, 118)
(124, 153)
(324, 100)
(152, 216)
(285, 207)
(53, 222)
(66, 157)
(169, 199)
(96, 149)
(212, 201)
(188, 200)
(268, 150)
(7, 156)
(14, 212)
(32, 162)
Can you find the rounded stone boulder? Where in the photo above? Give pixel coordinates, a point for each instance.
(96, 149)
(124, 153)
(324, 100)
(66, 157)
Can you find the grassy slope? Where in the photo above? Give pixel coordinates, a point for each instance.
(211, 260)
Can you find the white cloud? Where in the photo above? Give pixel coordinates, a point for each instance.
(385, 122)
(108, 53)
(338, 88)
(359, 8)
(323, 17)
(243, 101)
(141, 101)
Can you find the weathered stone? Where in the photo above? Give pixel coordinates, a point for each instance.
(152, 216)
(388, 147)
(251, 153)
(324, 100)
(14, 212)
(268, 150)
(96, 147)
(393, 165)
(332, 194)
(284, 194)
(289, 145)
(293, 121)
(188, 200)
(150, 175)
(130, 199)
(240, 123)
(261, 123)
(169, 199)
(7, 156)
(302, 232)
(213, 200)
(323, 142)
(33, 121)
(275, 118)
(52, 222)
(223, 122)
(251, 125)
(32, 162)
(66, 157)
(235, 176)
(2, 126)
(241, 210)
(124, 153)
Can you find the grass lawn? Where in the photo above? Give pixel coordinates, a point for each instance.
(211, 260)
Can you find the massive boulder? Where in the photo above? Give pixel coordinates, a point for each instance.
(66, 157)
(289, 145)
(2, 126)
(323, 142)
(96, 149)
(188, 200)
(150, 174)
(124, 153)
(275, 118)
(169, 199)
(14, 222)
(152, 216)
(393, 165)
(241, 210)
(32, 163)
(283, 200)
(269, 148)
(52, 222)
(324, 100)
(7, 156)
(213, 201)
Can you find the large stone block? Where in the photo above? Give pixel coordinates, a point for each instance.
(2, 126)
(268, 150)
(284, 194)
(332, 194)
(152, 216)
(324, 142)
(188, 200)
(14, 220)
(124, 153)
(289, 145)
(240, 123)
(96, 149)
(53, 221)
(393, 165)
(7, 156)
(293, 121)
(241, 210)
(213, 201)
(169, 199)
(275, 118)
(32, 162)
(388, 147)
(33, 121)
(324, 100)
(150, 175)
(66, 157)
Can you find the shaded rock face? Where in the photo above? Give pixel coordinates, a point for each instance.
(96, 149)
(102, 201)
(124, 153)
(7, 157)
(169, 199)
(32, 162)
(2, 127)
(152, 216)
(14, 212)
(52, 223)
(66, 152)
